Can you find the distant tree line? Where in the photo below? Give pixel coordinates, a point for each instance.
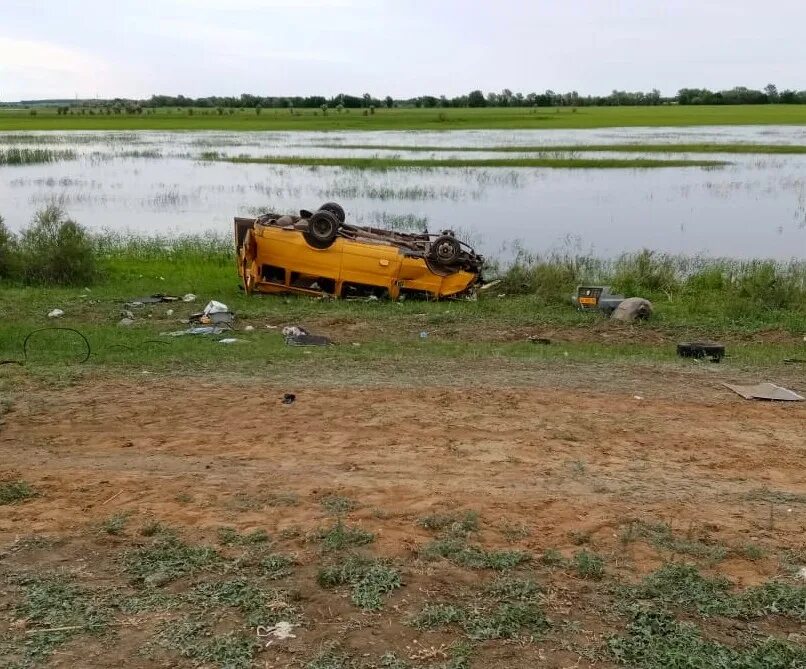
(739, 95)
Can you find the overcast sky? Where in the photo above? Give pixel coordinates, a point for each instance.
(403, 48)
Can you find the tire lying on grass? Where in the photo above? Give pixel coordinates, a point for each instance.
(323, 226)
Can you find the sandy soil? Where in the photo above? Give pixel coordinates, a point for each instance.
(562, 466)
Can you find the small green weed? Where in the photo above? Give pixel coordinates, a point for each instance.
(473, 557)
(370, 579)
(454, 524)
(588, 565)
(58, 604)
(337, 505)
(229, 536)
(342, 536)
(259, 606)
(657, 641)
(277, 566)
(194, 640)
(682, 585)
(506, 621)
(661, 535)
(331, 659)
(115, 524)
(167, 559)
(12, 492)
(508, 588)
(551, 557)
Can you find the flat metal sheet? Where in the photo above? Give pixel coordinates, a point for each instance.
(765, 391)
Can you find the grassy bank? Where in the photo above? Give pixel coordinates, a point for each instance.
(402, 163)
(410, 119)
(759, 308)
(589, 148)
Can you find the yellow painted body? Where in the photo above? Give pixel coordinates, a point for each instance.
(346, 261)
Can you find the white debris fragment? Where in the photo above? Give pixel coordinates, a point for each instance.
(249, 328)
(190, 297)
(55, 313)
(279, 632)
(229, 340)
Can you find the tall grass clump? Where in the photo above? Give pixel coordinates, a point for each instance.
(552, 277)
(207, 247)
(55, 249)
(16, 156)
(9, 253)
(646, 273)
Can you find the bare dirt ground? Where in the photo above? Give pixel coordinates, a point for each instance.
(546, 469)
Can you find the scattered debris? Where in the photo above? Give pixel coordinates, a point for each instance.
(534, 339)
(765, 391)
(701, 350)
(632, 309)
(190, 297)
(596, 298)
(297, 336)
(289, 398)
(156, 298)
(55, 313)
(199, 330)
(279, 632)
(214, 307)
(423, 335)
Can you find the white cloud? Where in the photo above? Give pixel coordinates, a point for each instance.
(34, 69)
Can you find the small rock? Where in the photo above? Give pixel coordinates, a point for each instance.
(125, 322)
(55, 313)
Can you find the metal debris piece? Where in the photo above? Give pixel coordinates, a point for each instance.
(156, 298)
(279, 632)
(765, 391)
(200, 330)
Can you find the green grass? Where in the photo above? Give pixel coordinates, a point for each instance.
(341, 536)
(662, 536)
(414, 119)
(657, 641)
(196, 641)
(337, 505)
(683, 587)
(588, 565)
(480, 622)
(738, 148)
(168, 558)
(57, 604)
(455, 524)
(12, 492)
(457, 551)
(431, 163)
(694, 298)
(368, 578)
(229, 536)
(16, 156)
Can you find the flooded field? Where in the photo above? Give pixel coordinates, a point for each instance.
(166, 183)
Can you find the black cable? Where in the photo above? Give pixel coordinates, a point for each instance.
(33, 332)
(83, 338)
